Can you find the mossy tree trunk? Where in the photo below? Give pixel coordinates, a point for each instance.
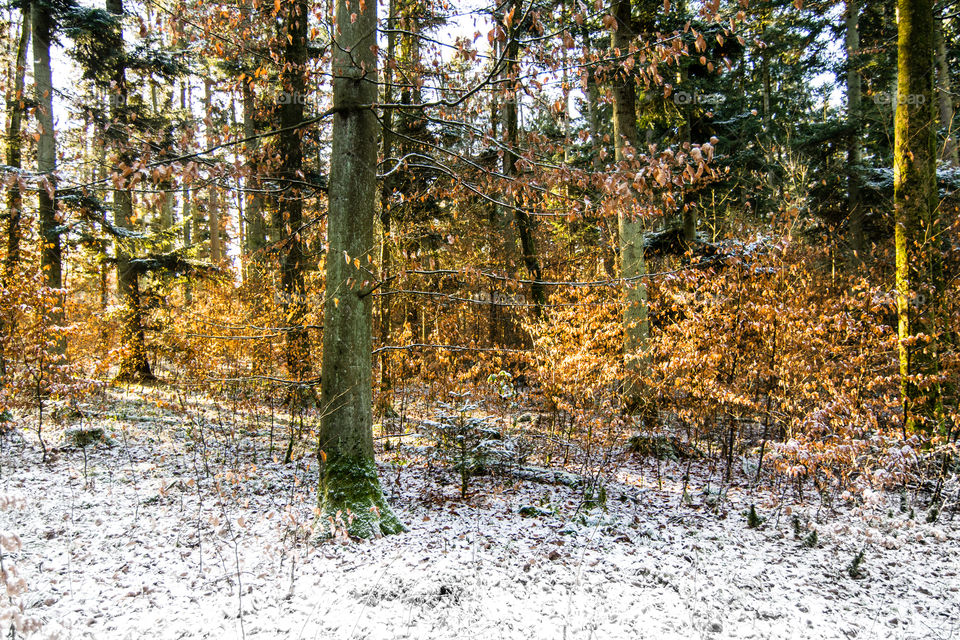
(636, 327)
(919, 261)
(134, 365)
(51, 253)
(350, 492)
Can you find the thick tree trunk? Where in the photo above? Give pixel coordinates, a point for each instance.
(919, 266)
(945, 97)
(291, 175)
(134, 365)
(349, 489)
(51, 256)
(854, 208)
(636, 328)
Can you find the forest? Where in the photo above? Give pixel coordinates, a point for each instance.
(491, 319)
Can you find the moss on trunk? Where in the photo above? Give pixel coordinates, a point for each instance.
(351, 499)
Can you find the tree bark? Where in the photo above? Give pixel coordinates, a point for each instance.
(349, 488)
(636, 328)
(134, 365)
(51, 255)
(919, 266)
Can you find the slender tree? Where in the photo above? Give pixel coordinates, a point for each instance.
(293, 94)
(514, 22)
(387, 187)
(256, 228)
(213, 193)
(51, 254)
(134, 365)
(349, 488)
(636, 328)
(854, 117)
(15, 108)
(949, 152)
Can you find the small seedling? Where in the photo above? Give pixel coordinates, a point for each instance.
(595, 495)
(753, 520)
(811, 541)
(854, 569)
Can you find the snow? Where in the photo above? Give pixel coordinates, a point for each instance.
(174, 535)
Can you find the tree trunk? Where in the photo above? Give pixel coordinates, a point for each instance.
(854, 208)
(291, 175)
(511, 140)
(349, 488)
(134, 365)
(187, 210)
(919, 266)
(256, 238)
(51, 257)
(386, 194)
(15, 106)
(636, 328)
(689, 212)
(768, 119)
(213, 195)
(945, 97)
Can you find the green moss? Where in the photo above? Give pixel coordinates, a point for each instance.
(351, 500)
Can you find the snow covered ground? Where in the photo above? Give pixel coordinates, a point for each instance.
(173, 535)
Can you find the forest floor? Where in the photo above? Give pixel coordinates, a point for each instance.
(174, 532)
